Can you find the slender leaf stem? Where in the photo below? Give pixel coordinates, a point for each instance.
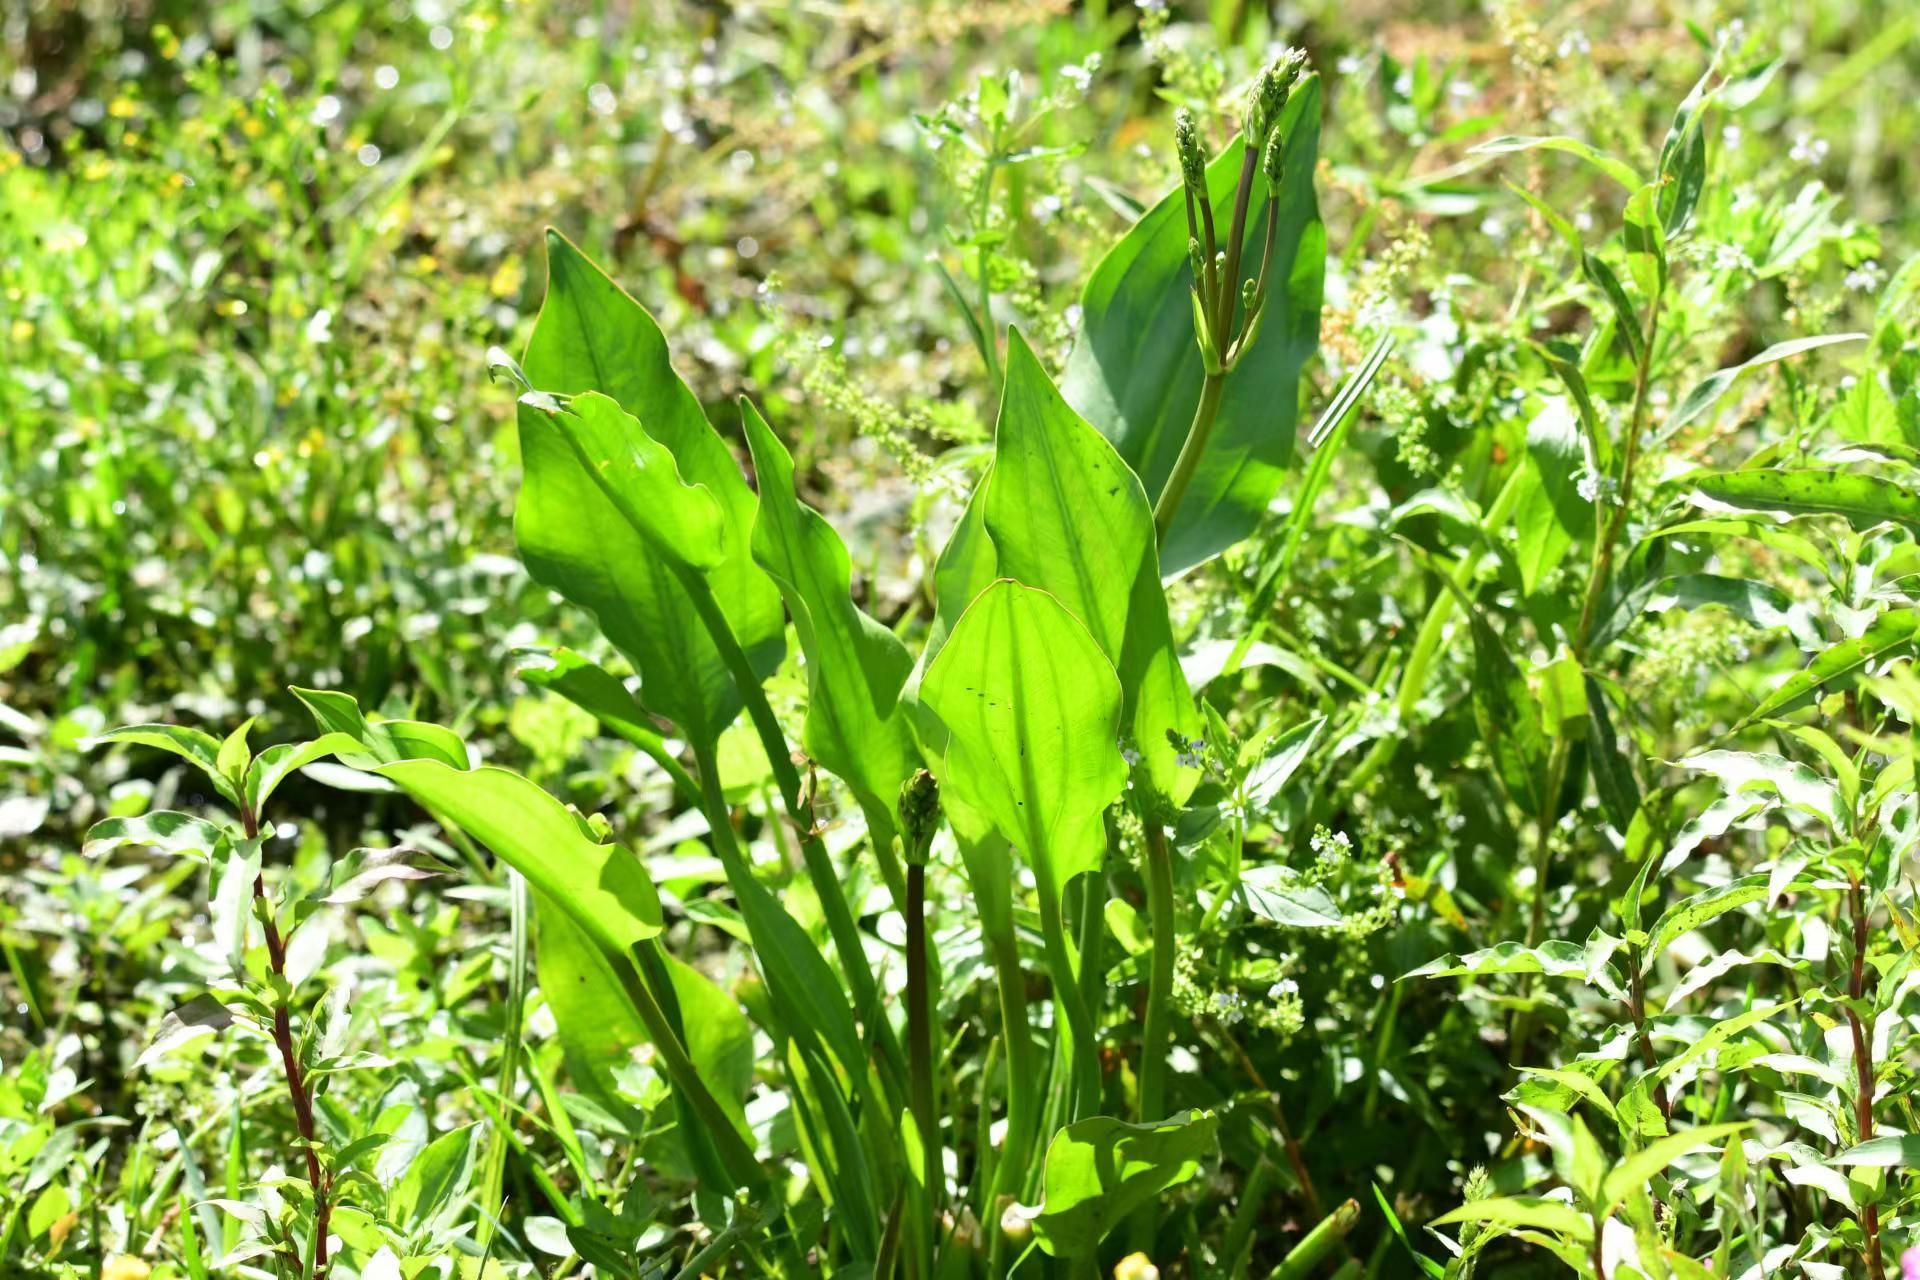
(1083, 1061)
(820, 869)
(1153, 1038)
(920, 1065)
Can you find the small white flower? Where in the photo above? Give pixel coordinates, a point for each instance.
(1808, 149)
(1282, 989)
(1866, 277)
(1731, 135)
(1575, 44)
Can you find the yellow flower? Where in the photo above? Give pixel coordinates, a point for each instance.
(1135, 1266)
(125, 1267)
(123, 108)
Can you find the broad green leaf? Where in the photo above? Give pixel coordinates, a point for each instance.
(683, 523)
(1135, 371)
(575, 539)
(357, 875)
(1551, 515)
(1099, 1170)
(163, 829)
(856, 725)
(1539, 1212)
(601, 885)
(599, 1029)
(1708, 971)
(1890, 633)
(1508, 719)
(1636, 1171)
(1683, 158)
(199, 1018)
(1028, 708)
(1864, 500)
(1572, 1083)
(1619, 171)
(1065, 515)
(195, 745)
(1553, 959)
(1637, 1106)
(1280, 895)
(589, 686)
(1759, 603)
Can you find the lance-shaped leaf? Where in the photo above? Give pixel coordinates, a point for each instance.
(1551, 514)
(1065, 514)
(1707, 392)
(196, 746)
(1553, 959)
(164, 829)
(270, 768)
(603, 886)
(1100, 1170)
(1028, 708)
(1890, 633)
(1864, 500)
(856, 725)
(578, 540)
(1135, 372)
(1509, 723)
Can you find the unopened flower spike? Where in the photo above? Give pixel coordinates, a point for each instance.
(1273, 160)
(1193, 161)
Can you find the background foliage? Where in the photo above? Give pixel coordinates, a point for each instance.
(253, 257)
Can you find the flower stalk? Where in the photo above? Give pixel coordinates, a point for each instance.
(1227, 310)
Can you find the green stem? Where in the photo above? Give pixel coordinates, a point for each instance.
(720, 1246)
(920, 1066)
(1190, 453)
(1317, 1243)
(1153, 1040)
(1016, 1030)
(735, 1155)
(1161, 917)
(820, 869)
(1083, 1063)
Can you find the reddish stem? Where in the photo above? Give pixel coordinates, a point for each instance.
(297, 1084)
(1863, 1072)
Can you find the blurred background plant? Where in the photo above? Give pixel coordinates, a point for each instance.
(252, 255)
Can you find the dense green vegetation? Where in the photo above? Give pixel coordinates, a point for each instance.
(1031, 640)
